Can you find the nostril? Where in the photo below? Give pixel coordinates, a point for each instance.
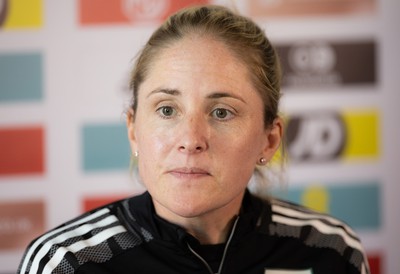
(191, 149)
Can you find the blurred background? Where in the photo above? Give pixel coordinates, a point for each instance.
(64, 70)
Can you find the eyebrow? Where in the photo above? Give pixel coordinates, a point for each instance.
(214, 95)
(217, 95)
(165, 91)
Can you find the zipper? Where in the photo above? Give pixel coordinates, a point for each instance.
(223, 255)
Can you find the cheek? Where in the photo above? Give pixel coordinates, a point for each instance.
(247, 136)
(153, 143)
(243, 156)
(150, 154)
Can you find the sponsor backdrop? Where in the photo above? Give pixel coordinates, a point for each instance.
(64, 67)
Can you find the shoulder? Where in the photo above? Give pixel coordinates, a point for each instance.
(316, 230)
(73, 243)
(287, 213)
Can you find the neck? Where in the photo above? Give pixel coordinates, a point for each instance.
(212, 227)
(209, 233)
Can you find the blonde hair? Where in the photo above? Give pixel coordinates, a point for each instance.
(240, 34)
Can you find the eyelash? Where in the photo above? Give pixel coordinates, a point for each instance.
(229, 114)
(160, 109)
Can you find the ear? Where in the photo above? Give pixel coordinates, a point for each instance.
(274, 136)
(130, 125)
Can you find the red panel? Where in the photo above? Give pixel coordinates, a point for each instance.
(94, 12)
(20, 223)
(310, 7)
(101, 11)
(374, 261)
(22, 151)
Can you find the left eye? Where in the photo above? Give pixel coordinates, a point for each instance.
(166, 112)
(221, 113)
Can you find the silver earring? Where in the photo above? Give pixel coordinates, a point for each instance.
(136, 153)
(262, 161)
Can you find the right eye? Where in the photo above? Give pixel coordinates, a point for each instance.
(166, 111)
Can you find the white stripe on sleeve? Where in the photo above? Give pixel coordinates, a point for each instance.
(75, 247)
(320, 226)
(42, 239)
(295, 213)
(79, 231)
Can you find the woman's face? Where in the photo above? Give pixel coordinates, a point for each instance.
(198, 129)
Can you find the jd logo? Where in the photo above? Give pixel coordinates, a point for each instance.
(315, 136)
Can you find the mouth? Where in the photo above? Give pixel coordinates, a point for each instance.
(188, 172)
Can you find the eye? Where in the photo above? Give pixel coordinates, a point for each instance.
(166, 111)
(222, 114)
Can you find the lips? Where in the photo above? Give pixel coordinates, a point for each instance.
(188, 172)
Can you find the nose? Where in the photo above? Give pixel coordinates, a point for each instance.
(193, 135)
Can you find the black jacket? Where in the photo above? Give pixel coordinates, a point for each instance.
(127, 236)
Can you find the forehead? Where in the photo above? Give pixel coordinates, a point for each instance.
(201, 60)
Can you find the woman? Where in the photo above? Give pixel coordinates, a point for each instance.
(204, 115)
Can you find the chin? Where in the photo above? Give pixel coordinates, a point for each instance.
(190, 209)
(178, 203)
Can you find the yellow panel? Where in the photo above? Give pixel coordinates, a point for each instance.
(24, 14)
(362, 134)
(317, 198)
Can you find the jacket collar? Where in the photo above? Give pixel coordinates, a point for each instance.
(140, 216)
